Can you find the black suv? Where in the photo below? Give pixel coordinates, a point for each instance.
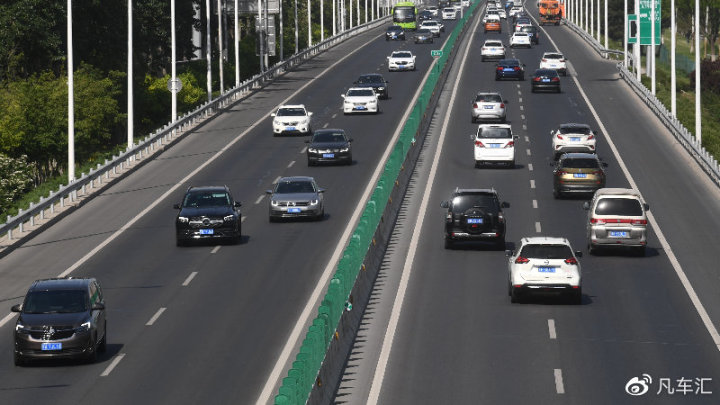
(207, 213)
(61, 318)
(474, 215)
(375, 81)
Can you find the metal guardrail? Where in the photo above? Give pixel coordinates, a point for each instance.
(154, 142)
(706, 160)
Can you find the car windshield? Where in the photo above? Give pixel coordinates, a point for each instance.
(546, 252)
(292, 187)
(580, 163)
(494, 133)
(463, 203)
(328, 137)
(395, 28)
(370, 79)
(402, 55)
(619, 206)
(360, 93)
(55, 301)
(553, 56)
(575, 130)
(520, 34)
(488, 98)
(200, 199)
(291, 112)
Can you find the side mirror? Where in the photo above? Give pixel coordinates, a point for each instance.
(268, 192)
(515, 137)
(98, 306)
(444, 204)
(176, 206)
(350, 140)
(355, 82)
(273, 115)
(307, 141)
(604, 164)
(578, 253)
(237, 204)
(342, 95)
(509, 253)
(586, 205)
(310, 114)
(321, 190)
(15, 308)
(506, 102)
(505, 204)
(472, 137)
(646, 206)
(387, 81)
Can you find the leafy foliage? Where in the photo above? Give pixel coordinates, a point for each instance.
(16, 177)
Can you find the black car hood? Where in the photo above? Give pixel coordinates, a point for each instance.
(35, 320)
(205, 211)
(328, 145)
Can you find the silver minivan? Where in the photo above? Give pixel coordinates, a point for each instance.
(617, 218)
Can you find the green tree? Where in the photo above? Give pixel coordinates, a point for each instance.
(16, 178)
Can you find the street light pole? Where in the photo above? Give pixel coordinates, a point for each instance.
(130, 108)
(173, 50)
(71, 97)
(673, 78)
(220, 45)
(237, 46)
(651, 52)
(297, 36)
(309, 25)
(208, 50)
(698, 117)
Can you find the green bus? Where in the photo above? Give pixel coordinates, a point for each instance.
(405, 15)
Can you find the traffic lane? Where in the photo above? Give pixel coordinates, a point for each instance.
(668, 178)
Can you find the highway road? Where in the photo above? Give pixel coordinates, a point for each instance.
(440, 328)
(207, 324)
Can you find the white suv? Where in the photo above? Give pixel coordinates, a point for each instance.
(544, 264)
(492, 48)
(291, 119)
(554, 60)
(494, 143)
(617, 218)
(573, 138)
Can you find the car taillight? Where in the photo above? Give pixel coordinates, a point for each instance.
(521, 260)
(639, 222)
(499, 68)
(559, 136)
(561, 172)
(555, 79)
(479, 144)
(537, 79)
(475, 105)
(591, 136)
(502, 105)
(571, 260)
(517, 68)
(544, 60)
(510, 144)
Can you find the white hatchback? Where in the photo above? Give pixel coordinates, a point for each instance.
(520, 39)
(291, 119)
(544, 264)
(434, 27)
(572, 137)
(555, 61)
(492, 49)
(360, 100)
(401, 60)
(494, 143)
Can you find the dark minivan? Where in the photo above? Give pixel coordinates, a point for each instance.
(61, 318)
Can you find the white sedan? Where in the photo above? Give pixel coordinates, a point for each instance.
(433, 10)
(544, 264)
(291, 119)
(555, 61)
(449, 13)
(492, 49)
(401, 60)
(520, 39)
(494, 143)
(434, 27)
(360, 100)
(573, 138)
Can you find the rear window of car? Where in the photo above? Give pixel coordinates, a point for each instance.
(580, 163)
(509, 62)
(546, 252)
(423, 31)
(494, 133)
(626, 207)
(575, 130)
(553, 56)
(290, 112)
(488, 98)
(449, 10)
(395, 28)
(370, 79)
(493, 43)
(463, 203)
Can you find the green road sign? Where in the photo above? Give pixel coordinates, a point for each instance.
(436, 53)
(645, 29)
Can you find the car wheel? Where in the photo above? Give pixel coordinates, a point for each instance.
(320, 216)
(102, 346)
(532, 89)
(556, 193)
(522, 78)
(576, 296)
(478, 163)
(449, 243)
(591, 249)
(500, 243)
(310, 163)
(482, 59)
(509, 289)
(511, 164)
(472, 119)
(180, 243)
(272, 219)
(349, 160)
(640, 251)
(515, 295)
(18, 360)
(92, 356)
(558, 90)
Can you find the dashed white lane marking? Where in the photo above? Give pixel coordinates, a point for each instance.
(532, 183)
(522, 109)
(524, 127)
(522, 116)
(243, 219)
(518, 86)
(259, 199)
(155, 317)
(527, 138)
(276, 179)
(291, 164)
(520, 100)
(334, 115)
(528, 152)
(551, 329)
(535, 204)
(112, 365)
(559, 387)
(530, 166)
(215, 249)
(7, 318)
(538, 228)
(303, 150)
(326, 125)
(189, 279)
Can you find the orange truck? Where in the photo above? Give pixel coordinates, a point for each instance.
(550, 12)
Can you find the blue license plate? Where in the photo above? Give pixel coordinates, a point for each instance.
(328, 155)
(488, 107)
(508, 70)
(360, 107)
(207, 231)
(475, 221)
(494, 145)
(51, 346)
(294, 210)
(289, 128)
(546, 80)
(618, 234)
(546, 269)
(574, 139)
(580, 175)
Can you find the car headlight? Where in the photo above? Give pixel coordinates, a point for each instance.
(274, 203)
(183, 220)
(276, 122)
(347, 102)
(381, 88)
(228, 218)
(314, 202)
(84, 327)
(372, 102)
(344, 149)
(20, 327)
(312, 150)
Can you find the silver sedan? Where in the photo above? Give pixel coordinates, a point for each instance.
(488, 107)
(296, 197)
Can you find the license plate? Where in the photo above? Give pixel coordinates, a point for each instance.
(574, 139)
(546, 80)
(360, 107)
(488, 107)
(618, 234)
(494, 145)
(546, 269)
(289, 128)
(294, 210)
(51, 346)
(475, 221)
(580, 175)
(207, 231)
(328, 155)
(494, 49)
(508, 70)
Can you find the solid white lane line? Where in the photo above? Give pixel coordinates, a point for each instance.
(259, 199)
(112, 365)
(7, 318)
(290, 164)
(384, 357)
(551, 329)
(276, 180)
(538, 229)
(699, 307)
(155, 317)
(535, 204)
(530, 166)
(303, 150)
(189, 279)
(559, 387)
(215, 249)
(310, 306)
(532, 183)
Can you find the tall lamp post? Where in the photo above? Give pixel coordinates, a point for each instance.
(71, 97)
(130, 108)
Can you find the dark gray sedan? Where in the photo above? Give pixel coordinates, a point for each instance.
(329, 146)
(296, 197)
(423, 36)
(546, 79)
